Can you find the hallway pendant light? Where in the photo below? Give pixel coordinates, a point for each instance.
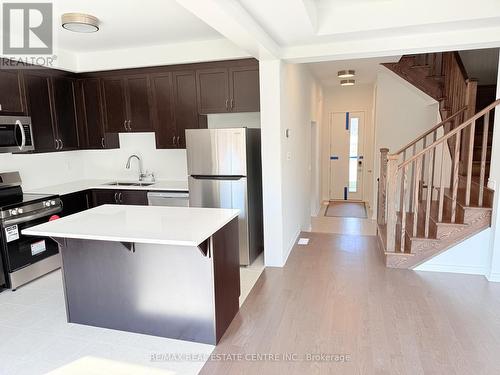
(347, 82)
(80, 22)
(346, 73)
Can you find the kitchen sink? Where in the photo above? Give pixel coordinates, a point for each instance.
(118, 183)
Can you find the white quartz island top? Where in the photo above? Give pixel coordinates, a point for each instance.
(185, 226)
(80, 185)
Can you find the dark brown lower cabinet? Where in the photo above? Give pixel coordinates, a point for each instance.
(112, 196)
(75, 202)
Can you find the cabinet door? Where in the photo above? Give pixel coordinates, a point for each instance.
(104, 196)
(113, 93)
(163, 113)
(65, 112)
(185, 105)
(245, 92)
(38, 98)
(134, 197)
(11, 96)
(91, 112)
(213, 90)
(139, 103)
(75, 202)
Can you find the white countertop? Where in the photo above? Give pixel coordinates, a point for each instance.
(185, 226)
(80, 185)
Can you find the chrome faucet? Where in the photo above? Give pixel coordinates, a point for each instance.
(139, 163)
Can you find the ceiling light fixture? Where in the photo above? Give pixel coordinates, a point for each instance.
(347, 82)
(80, 22)
(346, 73)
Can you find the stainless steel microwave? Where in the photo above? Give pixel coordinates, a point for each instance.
(16, 134)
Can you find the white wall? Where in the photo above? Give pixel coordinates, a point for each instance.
(38, 170)
(357, 98)
(402, 112)
(234, 120)
(289, 100)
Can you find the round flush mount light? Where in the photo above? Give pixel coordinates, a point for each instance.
(347, 82)
(80, 22)
(345, 73)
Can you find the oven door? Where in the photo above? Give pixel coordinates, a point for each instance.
(21, 251)
(15, 134)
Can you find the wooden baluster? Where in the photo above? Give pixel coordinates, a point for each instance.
(454, 185)
(470, 151)
(441, 184)
(423, 159)
(430, 171)
(413, 177)
(392, 176)
(402, 206)
(484, 151)
(416, 198)
(382, 187)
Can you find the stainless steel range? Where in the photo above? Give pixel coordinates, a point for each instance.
(24, 258)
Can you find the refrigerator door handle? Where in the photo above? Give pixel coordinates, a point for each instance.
(203, 177)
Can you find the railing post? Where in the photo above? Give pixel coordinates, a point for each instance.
(392, 187)
(382, 187)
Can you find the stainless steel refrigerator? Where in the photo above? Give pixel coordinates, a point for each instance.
(224, 168)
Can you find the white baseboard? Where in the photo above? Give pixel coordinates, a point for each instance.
(494, 277)
(290, 247)
(468, 270)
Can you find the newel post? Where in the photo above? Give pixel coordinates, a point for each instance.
(392, 187)
(382, 187)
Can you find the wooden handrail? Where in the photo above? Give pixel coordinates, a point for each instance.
(450, 134)
(431, 130)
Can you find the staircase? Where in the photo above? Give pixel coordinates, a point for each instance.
(432, 193)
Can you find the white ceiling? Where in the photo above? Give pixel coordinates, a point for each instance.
(366, 70)
(129, 24)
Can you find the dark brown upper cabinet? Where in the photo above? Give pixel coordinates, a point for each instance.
(127, 103)
(113, 97)
(64, 108)
(91, 116)
(233, 89)
(244, 89)
(185, 104)
(39, 108)
(163, 110)
(11, 92)
(138, 93)
(213, 90)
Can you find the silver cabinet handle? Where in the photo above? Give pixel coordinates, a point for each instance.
(57, 143)
(232, 101)
(120, 198)
(130, 125)
(173, 140)
(178, 138)
(102, 142)
(227, 102)
(116, 197)
(62, 143)
(0, 107)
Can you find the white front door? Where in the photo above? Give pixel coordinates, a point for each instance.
(346, 155)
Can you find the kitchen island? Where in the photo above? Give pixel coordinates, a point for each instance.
(163, 271)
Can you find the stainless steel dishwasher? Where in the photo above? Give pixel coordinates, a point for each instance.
(168, 198)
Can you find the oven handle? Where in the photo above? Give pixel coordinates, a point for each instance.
(23, 135)
(23, 219)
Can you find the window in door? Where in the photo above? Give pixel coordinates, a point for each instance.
(353, 154)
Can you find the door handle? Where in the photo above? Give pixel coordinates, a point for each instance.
(23, 136)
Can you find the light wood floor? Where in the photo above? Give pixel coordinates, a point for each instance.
(335, 296)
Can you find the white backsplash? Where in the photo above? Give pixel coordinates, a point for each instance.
(38, 170)
(234, 120)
